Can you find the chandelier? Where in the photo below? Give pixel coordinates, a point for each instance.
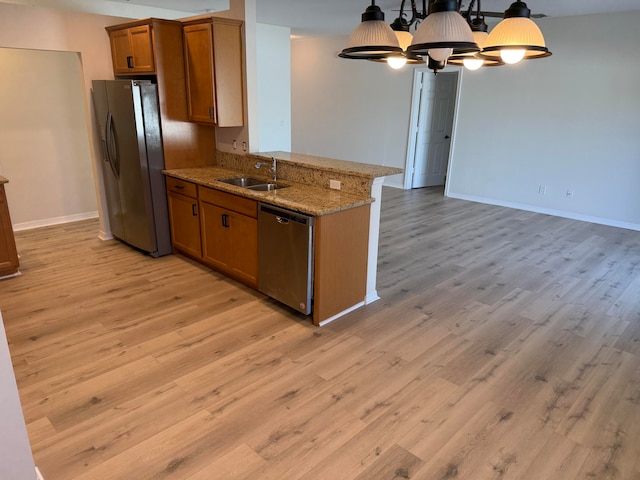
(444, 34)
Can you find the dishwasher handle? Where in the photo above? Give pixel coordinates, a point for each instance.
(285, 216)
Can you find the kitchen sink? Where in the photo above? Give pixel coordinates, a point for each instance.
(244, 182)
(267, 187)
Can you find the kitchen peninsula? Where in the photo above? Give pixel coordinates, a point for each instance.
(347, 219)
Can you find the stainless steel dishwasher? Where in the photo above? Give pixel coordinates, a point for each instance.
(285, 256)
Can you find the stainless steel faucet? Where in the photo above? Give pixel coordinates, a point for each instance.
(274, 167)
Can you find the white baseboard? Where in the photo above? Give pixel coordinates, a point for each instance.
(371, 297)
(38, 474)
(342, 313)
(393, 184)
(47, 222)
(548, 211)
(105, 235)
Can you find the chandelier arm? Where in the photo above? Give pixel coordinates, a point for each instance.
(401, 9)
(414, 12)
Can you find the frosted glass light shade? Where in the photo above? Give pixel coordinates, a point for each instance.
(446, 29)
(397, 61)
(471, 60)
(516, 32)
(404, 38)
(372, 38)
(440, 54)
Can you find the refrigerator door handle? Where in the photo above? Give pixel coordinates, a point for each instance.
(112, 150)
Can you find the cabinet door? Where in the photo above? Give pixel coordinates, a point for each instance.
(142, 49)
(244, 235)
(198, 57)
(132, 50)
(227, 54)
(185, 224)
(214, 66)
(216, 236)
(230, 242)
(120, 51)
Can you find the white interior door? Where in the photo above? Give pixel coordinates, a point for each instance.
(436, 104)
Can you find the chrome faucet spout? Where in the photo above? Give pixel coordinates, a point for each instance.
(274, 169)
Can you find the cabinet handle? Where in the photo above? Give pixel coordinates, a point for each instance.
(225, 220)
(211, 113)
(178, 187)
(130, 61)
(194, 211)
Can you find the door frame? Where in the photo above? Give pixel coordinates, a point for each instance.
(418, 75)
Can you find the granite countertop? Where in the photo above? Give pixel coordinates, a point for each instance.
(297, 196)
(3, 180)
(330, 164)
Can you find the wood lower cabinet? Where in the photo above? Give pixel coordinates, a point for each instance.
(229, 229)
(8, 254)
(221, 230)
(214, 71)
(132, 50)
(340, 260)
(184, 217)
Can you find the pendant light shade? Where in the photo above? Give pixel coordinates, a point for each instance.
(473, 61)
(396, 61)
(516, 37)
(373, 38)
(443, 27)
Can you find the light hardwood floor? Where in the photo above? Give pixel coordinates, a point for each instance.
(506, 345)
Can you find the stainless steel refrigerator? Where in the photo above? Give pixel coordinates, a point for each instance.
(129, 124)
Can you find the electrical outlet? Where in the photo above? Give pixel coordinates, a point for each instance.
(542, 189)
(244, 146)
(235, 144)
(335, 184)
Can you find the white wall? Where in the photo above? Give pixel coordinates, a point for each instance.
(44, 147)
(568, 122)
(274, 88)
(16, 460)
(348, 109)
(42, 28)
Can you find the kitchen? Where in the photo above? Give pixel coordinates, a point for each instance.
(614, 160)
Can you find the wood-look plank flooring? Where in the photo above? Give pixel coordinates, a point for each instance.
(506, 345)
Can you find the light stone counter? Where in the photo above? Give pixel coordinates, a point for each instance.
(297, 196)
(3, 180)
(330, 164)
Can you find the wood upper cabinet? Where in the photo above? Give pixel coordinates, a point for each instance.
(214, 71)
(229, 229)
(132, 50)
(8, 254)
(184, 217)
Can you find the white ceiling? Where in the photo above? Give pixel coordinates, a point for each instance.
(307, 17)
(314, 17)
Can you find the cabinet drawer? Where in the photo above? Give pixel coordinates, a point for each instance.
(181, 186)
(242, 205)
